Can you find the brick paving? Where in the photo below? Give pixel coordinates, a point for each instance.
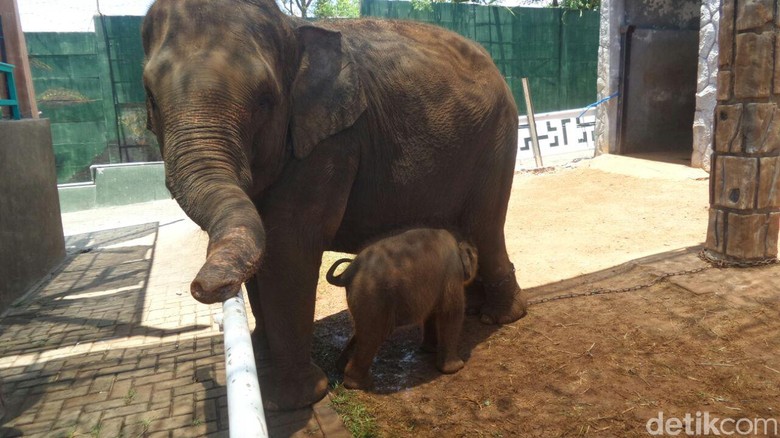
(113, 345)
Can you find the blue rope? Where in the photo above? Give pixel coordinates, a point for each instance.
(595, 104)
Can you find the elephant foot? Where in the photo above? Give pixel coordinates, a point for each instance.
(428, 346)
(475, 297)
(505, 302)
(357, 380)
(287, 388)
(450, 366)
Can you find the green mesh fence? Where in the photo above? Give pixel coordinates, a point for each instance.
(122, 35)
(69, 92)
(89, 86)
(555, 48)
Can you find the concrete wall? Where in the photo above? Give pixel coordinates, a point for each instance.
(31, 238)
(116, 184)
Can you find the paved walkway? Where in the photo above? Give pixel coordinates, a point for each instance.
(113, 344)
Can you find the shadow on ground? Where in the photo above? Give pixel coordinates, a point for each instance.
(62, 370)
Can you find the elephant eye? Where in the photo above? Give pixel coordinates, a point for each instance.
(152, 101)
(265, 102)
(151, 108)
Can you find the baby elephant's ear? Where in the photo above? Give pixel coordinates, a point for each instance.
(468, 257)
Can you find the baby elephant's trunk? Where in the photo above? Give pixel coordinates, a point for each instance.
(341, 280)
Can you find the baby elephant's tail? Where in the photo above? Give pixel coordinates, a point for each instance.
(337, 280)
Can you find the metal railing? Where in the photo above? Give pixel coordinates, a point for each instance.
(12, 100)
(245, 405)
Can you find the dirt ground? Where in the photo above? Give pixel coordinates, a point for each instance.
(600, 365)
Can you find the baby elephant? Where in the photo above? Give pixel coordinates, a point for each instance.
(412, 278)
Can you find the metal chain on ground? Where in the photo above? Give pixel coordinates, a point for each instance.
(658, 279)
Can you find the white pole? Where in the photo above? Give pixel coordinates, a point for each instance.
(245, 405)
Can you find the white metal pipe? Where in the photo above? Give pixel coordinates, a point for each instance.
(245, 404)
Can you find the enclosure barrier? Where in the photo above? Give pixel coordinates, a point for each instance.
(245, 405)
(12, 101)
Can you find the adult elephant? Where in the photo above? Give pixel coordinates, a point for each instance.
(283, 139)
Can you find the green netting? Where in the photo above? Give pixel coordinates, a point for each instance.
(68, 91)
(555, 48)
(95, 111)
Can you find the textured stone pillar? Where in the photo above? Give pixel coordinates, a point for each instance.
(707, 84)
(608, 82)
(745, 175)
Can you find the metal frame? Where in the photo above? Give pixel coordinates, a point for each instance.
(12, 100)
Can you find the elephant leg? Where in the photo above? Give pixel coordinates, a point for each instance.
(347, 353)
(368, 338)
(505, 302)
(429, 334)
(475, 297)
(301, 215)
(288, 378)
(449, 322)
(259, 340)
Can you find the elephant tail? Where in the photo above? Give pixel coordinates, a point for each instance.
(338, 280)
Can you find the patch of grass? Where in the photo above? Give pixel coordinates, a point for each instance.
(197, 422)
(145, 423)
(95, 432)
(130, 396)
(358, 420)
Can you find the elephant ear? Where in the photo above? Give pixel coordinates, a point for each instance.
(469, 261)
(326, 94)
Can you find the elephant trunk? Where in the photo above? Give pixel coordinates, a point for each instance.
(207, 172)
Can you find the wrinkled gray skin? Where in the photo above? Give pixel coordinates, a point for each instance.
(416, 277)
(283, 139)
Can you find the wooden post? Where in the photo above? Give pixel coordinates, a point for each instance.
(745, 175)
(532, 123)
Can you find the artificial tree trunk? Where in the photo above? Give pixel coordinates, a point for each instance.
(745, 176)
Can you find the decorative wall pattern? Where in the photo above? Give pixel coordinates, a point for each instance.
(563, 136)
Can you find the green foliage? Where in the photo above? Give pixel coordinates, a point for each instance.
(337, 9)
(580, 4)
(422, 5)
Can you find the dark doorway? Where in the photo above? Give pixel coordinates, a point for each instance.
(659, 81)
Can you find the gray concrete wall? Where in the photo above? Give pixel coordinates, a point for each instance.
(116, 184)
(31, 238)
